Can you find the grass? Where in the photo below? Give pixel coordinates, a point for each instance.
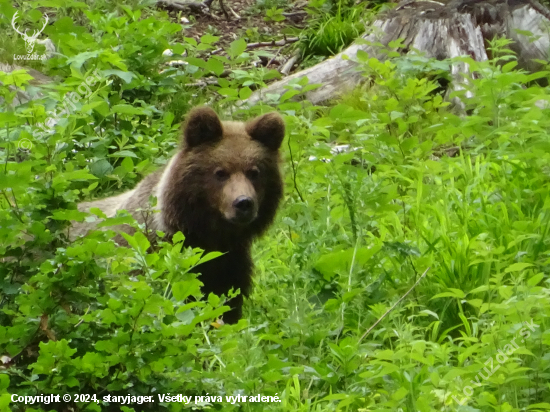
(332, 27)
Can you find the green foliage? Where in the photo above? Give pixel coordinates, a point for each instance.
(332, 27)
(380, 185)
(274, 14)
(270, 4)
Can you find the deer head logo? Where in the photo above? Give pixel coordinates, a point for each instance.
(29, 40)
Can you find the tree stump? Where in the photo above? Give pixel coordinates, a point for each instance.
(441, 31)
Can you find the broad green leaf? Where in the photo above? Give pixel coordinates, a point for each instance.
(518, 267)
(124, 153)
(339, 262)
(236, 48)
(215, 66)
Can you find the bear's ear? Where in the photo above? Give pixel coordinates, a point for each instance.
(202, 126)
(268, 129)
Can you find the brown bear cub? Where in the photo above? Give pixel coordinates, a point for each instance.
(221, 190)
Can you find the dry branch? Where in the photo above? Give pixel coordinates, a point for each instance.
(289, 64)
(233, 12)
(295, 17)
(272, 43)
(278, 43)
(189, 6)
(393, 307)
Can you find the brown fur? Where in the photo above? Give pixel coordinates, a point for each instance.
(221, 190)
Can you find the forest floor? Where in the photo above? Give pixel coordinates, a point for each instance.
(248, 19)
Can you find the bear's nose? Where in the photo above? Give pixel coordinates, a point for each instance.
(244, 205)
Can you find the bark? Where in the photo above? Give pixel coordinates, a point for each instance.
(441, 31)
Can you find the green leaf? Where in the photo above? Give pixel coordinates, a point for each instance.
(93, 105)
(182, 290)
(78, 60)
(543, 405)
(236, 48)
(4, 382)
(348, 296)
(215, 66)
(245, 93)
(208, 256)
(101, 168)
(69, 215)
(102, 109)
(115, 221)
(518, 267)
(196, 62)
(127, 109)
(228, 92)
(8, 117)
(209, 39)
(535, 280)
(339, 262)
(128, 164)
(454, 293)
(124, 153)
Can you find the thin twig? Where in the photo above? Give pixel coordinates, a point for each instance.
(201, 83)
(272, 43)
(81, 319)
(282, 42)
(393, 307)
(274, 57)
(15, 207)
(233, 12)
(294, 171)
(295, 14)
(296, 17)
(209, 344)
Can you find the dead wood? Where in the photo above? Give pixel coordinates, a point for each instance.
(188, 6)
(295, 17)
(272, 43)
(289, 64)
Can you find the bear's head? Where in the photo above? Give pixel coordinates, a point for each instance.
(226, 177)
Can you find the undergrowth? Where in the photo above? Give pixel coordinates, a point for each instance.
(331, 27)
(380, 186)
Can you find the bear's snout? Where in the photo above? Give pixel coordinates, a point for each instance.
(244, 209)
(239, 201)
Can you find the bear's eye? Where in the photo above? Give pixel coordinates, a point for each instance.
(253, 173)
(221, 174)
